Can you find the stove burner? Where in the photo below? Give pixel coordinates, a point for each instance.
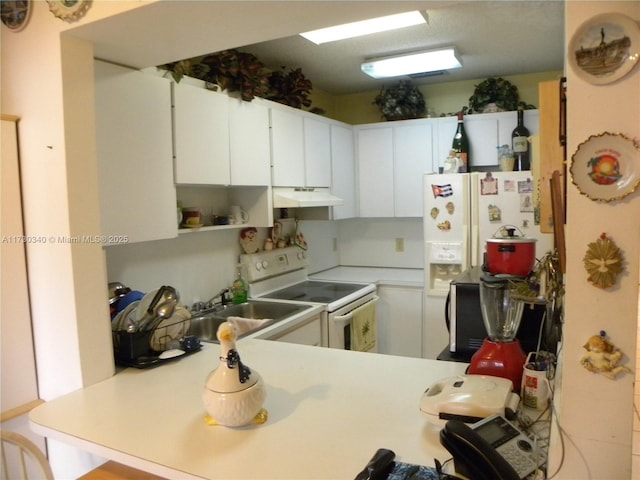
(321, 299)
(316, 292)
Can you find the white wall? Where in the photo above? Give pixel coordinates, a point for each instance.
(595, 412)
(198, 265)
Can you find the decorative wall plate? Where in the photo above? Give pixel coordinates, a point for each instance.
(69, 10)
(605, 48)
(606, 167)
(15, 14)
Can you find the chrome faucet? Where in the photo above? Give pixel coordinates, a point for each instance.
(213, 301)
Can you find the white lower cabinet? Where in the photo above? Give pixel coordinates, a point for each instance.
(400, 320)
(134, 153)
(306, 334)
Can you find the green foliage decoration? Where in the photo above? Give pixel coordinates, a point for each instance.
(498, 91)
(243, 72)
(401, 102)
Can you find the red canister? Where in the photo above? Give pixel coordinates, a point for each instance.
(510, 254)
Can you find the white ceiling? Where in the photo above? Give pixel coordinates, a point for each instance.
(494, 38)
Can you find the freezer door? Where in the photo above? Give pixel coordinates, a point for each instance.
(446, 229)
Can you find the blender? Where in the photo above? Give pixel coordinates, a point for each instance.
(500, 354)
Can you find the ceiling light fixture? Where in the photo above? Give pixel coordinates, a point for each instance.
(365, 27)
(412, 63)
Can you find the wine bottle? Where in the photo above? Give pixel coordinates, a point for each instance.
(520, 144)
(460, 146)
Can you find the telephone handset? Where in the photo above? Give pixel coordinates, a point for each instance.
(491, 449)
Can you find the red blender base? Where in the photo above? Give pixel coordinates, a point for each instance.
(499, 359)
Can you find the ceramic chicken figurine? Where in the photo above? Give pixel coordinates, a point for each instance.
(233, 394)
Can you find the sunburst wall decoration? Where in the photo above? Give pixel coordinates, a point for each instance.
(603, 262)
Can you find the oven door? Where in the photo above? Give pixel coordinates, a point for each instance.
(354, 326)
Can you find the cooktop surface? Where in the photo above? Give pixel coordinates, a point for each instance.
(314, 291)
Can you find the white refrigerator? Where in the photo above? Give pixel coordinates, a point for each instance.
(462, 210)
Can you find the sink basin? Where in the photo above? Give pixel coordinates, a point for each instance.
(204, 324)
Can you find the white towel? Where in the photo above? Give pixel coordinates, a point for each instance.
(244, 325)
(363, 328)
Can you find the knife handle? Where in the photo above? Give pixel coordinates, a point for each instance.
(379, 466)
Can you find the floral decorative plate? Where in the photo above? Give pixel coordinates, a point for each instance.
(606, 167)
(69, 10)
(15, 14)
(605, 48)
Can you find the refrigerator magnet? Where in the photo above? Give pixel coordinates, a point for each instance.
(434, 212)
(450, 208)
(495, 214)
(445, 226)
(488, 185)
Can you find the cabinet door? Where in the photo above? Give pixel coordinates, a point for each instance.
(201, 135)
(343, 171)
(317, 153)
(306, 334)
(287, 149)
(375, 172)
(401, 320)
(135, 170)
(482, 130)
(413, 148)
(249, 144)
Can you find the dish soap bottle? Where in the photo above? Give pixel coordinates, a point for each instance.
(239, 288)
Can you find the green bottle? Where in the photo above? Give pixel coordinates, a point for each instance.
(239, 288)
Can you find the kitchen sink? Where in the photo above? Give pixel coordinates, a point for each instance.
(204, 324)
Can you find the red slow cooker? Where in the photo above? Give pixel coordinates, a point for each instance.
(510, 254)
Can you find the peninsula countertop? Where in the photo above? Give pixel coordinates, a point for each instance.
(329, 411)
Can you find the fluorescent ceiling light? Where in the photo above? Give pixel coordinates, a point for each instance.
(412, 63)
(364, 27)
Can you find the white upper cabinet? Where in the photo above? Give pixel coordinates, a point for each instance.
(343, 171)
(375, 172)
(300, 148)
(135, 168)
(287, 148)
(249, 143)
(392, 157)
(486, 131)
(317, 152)
(413, 154)
(201, 135)
(391, 162)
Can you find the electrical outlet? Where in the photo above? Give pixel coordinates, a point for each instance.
(399, 244)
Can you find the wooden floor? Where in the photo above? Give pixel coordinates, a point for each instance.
(117, 471)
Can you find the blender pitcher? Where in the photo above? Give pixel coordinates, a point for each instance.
(500, 354)
(501, 312)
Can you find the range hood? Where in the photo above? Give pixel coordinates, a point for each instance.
(289, 197)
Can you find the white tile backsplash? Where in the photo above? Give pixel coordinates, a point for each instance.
(372, 242)
(200, 264)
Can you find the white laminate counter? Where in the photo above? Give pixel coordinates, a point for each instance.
(411, 277)
(329, 411)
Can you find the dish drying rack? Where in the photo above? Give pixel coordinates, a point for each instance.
(130, 347)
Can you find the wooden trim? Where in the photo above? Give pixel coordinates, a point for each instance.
(9, 118)
(20, 410)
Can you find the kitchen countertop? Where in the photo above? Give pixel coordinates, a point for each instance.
(329, 411)
(410, 277)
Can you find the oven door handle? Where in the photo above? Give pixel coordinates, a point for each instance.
(342, 320)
